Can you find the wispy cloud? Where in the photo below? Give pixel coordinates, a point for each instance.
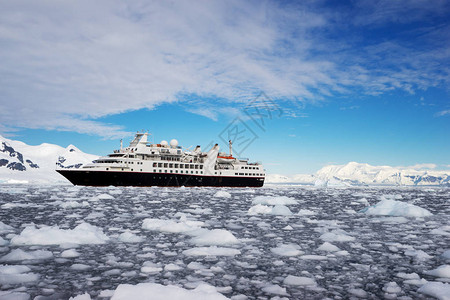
(443, 113)
(66, 64)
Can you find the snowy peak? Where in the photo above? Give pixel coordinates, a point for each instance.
(14, 160)
(20, 162)
(354, 173)
(357, 173)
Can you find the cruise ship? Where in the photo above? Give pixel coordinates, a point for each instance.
(143, 163)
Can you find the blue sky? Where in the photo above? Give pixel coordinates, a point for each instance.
(364, 81)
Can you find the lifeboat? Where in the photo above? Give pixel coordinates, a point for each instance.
(227, 159)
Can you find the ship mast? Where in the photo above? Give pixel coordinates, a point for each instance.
(231, 147)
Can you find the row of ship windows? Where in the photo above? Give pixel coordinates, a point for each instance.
(181, 166)
(197, 172)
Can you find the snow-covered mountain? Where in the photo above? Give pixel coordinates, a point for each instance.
(20, 162)
(354, 173)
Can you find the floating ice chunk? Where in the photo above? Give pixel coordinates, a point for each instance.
(446, 254)
(441, 271)
(438, 290)
(222, 194)
(5, 228)
(85, 296)
(274, 200)
(392, 288)
(358, 293)
(215, 237)
(16, 275)
(443, 230)
(82, 234)
(287, 250)
(3, 242)
(172, 226)
(300, 281)
(106, 294)
(305, 212)
(129, 237)
(211, 251)
(336, 236)
(418, 255)
(73, 204)
(275, 289)
(154, 291)
(12, 295)
(396, 208)
(408, 275)
(172, 267)
(313, 257)
(20, 255)
(279, 210)
(71, 253)
(195, 266)
(80, 267)
(151, 268)
(103, 197)
(328, 247)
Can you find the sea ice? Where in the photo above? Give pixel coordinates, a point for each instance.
(441, 271)
(172, 226)
(274, 200)
(287, 250)
(20, 255)
(336, 236)
(211, 251)
(84, 233)
(296, 280)
(16, 275)
(215, 237)
(154, 291)
(279, 210)
(222, 194)
(396, 208)
(129, 237)
(438, 290)
(328, 247)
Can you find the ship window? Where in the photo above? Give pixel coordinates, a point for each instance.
(192, 172)
(196, 166)
(196, 172)
(181, 171)
(107, 169)
(176, 171)
(165, 171)
(154, 165)
(181, 166)
(176, 165)
(246, 174)
(201, 166)
(160, 171)
(201, 172)
(131, 169)
(159, 165)
(170, 171)
(170, 165)
(165, 165)
(235, 173)
(178, 151)
(215, 173)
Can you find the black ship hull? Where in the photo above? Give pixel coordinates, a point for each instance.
(121, 178)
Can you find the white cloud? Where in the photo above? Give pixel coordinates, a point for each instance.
(443, 113)
(65, 64)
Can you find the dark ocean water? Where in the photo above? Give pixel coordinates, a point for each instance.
(378, 256)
